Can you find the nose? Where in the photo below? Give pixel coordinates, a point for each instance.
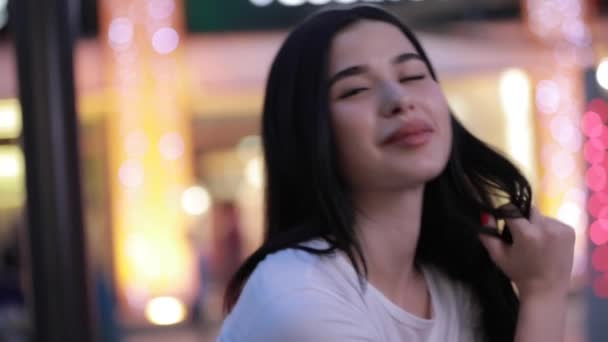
(394, 100)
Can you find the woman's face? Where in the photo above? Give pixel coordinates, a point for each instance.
(390, 118)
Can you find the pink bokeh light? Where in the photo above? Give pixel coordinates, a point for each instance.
(592, 124)
(600, 286)
(599, 106)
(596, 203)
(599, 259)
(598, 233)
(594, 151)
(596, 177)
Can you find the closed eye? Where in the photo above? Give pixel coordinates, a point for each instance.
(352, 92)
(411, 78)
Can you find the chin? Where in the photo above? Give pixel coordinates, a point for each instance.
(421, 173)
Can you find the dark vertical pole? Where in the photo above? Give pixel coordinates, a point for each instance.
(44, 32)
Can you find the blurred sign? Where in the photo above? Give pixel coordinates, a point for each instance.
(255, 15)
(252, 15)
(262, 3)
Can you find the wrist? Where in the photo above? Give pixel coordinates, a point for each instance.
(555, 294)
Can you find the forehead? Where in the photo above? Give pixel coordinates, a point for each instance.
(367, 42)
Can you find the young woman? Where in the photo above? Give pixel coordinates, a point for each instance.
(376, 203)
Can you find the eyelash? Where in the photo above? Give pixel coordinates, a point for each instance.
(412, 78)
(355, 91)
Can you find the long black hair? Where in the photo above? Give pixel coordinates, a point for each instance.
(307, 196)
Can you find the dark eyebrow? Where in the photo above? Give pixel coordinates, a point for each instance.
(360, 69)
(404, 57)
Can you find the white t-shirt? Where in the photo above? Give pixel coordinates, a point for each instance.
(296, 296)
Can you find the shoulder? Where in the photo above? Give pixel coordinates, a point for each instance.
(291, 270)
(295, 295)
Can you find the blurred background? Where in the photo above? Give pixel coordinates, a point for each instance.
(168, 94)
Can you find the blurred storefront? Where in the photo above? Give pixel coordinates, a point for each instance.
(170, 95)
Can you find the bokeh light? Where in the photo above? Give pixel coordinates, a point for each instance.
(596, 178)
(562, 164)
(11, 163)
(10, 119)
(599, 259)
(570, 213)
(160, 9)
(120, 32)
(196, 200)
(254, 172)
(131, 173)
(597, 201)
(601, 74)
(547, 96)
(165, 40)
(515, 99)
(600, 286)
(165, 311)
(171, 146)
(563, 131)
(594, 151)
(598, 233)
(592, 124)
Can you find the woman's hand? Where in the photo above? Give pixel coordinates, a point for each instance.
(539, 261)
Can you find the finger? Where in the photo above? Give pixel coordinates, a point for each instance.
(495, 247)
(536, 218)
(518, 226)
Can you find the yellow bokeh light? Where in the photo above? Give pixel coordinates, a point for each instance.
(516, 99)
(10, 163)
(148, 119)
(165, 311)
(12, 176)
(10, 119)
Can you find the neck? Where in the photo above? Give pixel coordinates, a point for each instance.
(388, 226)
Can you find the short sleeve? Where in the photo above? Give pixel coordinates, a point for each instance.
(306, 315)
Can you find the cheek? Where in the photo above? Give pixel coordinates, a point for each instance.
(351, 124)
(354, 132)
(439, 108)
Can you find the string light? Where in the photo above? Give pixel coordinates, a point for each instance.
(561, 25)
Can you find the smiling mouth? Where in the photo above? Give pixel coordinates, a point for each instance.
(410, 139)
(413, 133)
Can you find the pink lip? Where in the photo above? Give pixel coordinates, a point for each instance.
(412, 133)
